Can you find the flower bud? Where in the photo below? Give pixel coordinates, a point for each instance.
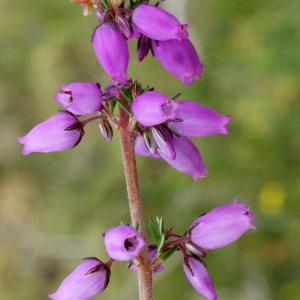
(123, 242)
(80, 98)
(222, 225)
(179, 58)
(60, 132)
(158, 24)
(196, 273)
(112, 52)
(105, 130)
(88, 279)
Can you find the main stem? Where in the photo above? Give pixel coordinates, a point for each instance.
(135, 203)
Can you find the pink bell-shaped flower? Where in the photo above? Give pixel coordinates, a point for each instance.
(196, 273)
(221, 226)
(153, 108)
(60, 132)
(87, 280)
(157, 23)
(195, 120)
(123, 243)
(179, 58)
(80, 98)
(112, 52)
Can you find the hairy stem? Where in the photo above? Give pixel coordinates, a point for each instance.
(135, 204)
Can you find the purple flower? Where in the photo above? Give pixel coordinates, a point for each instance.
(196, 273)
(153, 108)
(158, 24)
(80, 98)
(60, 132)
(195, 120)
(152, 253)
(179, 58)
(123, 242)
(112, 52)
(221, 226)
(88, 279)
(166, 123)
(184, 117)
(188, 159)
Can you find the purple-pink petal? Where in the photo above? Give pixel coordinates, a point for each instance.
(82, 284)
(112, 52)
(80, 98)
(196, 273)
(195, 120)
(222, 225)
(179, 58)
(51, 135)
(157, 23)
(123, 243)
(153, 108)
(188, 159)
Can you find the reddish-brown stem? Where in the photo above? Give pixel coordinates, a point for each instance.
(135, 204)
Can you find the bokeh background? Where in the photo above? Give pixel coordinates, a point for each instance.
(55, 207)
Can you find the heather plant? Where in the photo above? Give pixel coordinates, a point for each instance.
(151, 124)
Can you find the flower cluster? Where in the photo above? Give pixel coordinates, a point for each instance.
(218, 228)
(92, 276)
(166, 124)
(162, 126)
(63, 131)
(155, 29)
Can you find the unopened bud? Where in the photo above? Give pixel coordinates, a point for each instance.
(105, 130)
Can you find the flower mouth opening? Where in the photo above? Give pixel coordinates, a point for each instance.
(130, 243)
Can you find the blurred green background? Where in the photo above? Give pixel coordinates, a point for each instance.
(55, 207)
